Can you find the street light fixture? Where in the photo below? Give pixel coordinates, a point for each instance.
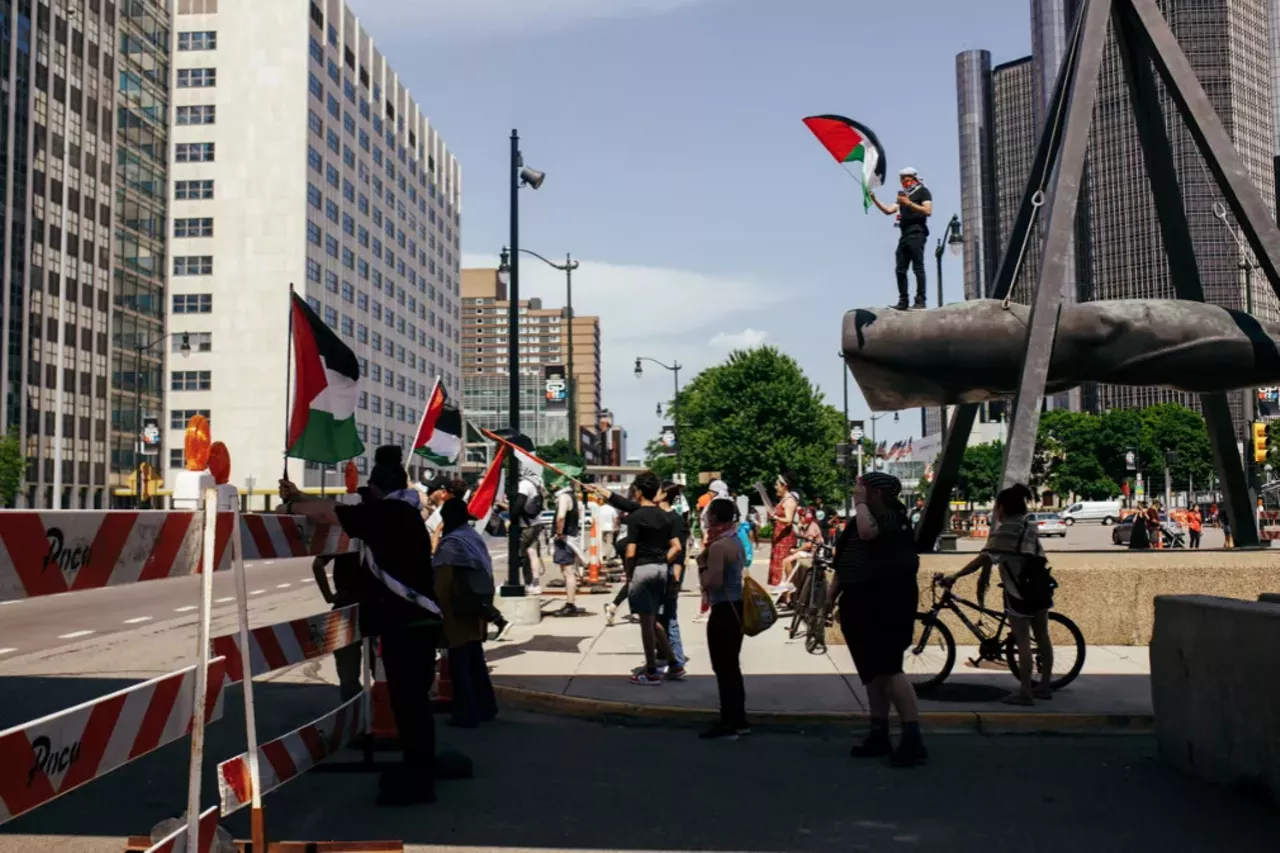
(675, 400)
(953, 238)
(567, 268)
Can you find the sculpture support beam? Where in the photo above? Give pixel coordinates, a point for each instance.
(1184, 271)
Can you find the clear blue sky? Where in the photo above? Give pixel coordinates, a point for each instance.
(704, 212)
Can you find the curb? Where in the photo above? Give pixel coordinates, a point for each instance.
(968, 722)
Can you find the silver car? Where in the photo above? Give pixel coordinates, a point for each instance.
(1049, 524)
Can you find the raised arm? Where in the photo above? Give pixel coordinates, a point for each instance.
(886, 209)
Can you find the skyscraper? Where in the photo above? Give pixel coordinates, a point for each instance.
(301, 160)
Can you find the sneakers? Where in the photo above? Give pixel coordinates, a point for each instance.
(533, 589)
(661, 669)
(719, 732)
(675, 673)
(647, 679)
(568, 610)
(610, 613)
(742, 730)
(504, 628)
(784, 587)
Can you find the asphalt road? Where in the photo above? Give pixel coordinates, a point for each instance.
(1087, 536)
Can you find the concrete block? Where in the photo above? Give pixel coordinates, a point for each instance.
(525, 610)
(1215, 689)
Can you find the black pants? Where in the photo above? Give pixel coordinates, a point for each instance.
(473, 699)
(409, 660)
(1195, 538)
(910, 253)
(724, 643)
(348, 660)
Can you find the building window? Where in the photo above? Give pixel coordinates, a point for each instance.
(193, 265)
(363, 268)
(200, 226)
(314, 122)
(331, 211)
(190, 380)
(375, 404)
(335, 109)
(317, 49)
(197, 78)
(202, 40)
(331, 139)
(193, 152)
(317, 88)
(314, 198)
(331, 281)
(314, 160)
(313, 232)
(331, 175)
(193, 190)
(193, 303)
(348, 258)
(330, 317)
(204, 114)
(179, 418)
(348, 292)
(362, 333)
(313, 271)
(348, 326)
(331, 245)
(198, 341)
(176, 458)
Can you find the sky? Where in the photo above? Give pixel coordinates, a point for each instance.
(704, 214)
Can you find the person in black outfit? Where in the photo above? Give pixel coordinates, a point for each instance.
(398, 605)
(913, 207)
(347, 576)
(876, 565)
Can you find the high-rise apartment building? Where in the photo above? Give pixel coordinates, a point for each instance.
(1118, 253)
(58, 102)
(301, 160)
(544, 356)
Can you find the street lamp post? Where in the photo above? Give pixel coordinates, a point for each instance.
(952, 238)
(520, 177)
(675, 400)
(875, 464)
(567, 268)
(138, 350)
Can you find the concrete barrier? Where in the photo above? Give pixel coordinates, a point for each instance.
(1215, 689)
(1109, 594)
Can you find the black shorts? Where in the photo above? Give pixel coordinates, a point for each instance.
(878, 620)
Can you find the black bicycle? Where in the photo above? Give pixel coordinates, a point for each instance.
(933, 654)
(809, 602)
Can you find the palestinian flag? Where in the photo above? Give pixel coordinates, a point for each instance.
(322, 426)
(491, 485)
(439, 437)
(854, 146)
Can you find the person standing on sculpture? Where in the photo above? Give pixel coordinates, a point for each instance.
(913, 207)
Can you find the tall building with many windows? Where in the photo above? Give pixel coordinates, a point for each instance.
(302, 161)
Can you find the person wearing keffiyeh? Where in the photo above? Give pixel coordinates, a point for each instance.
(464, 588)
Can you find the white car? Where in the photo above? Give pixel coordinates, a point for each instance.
(1049, 524)
(1107, 512)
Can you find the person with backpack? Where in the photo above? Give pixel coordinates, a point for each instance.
(527, 513)
(565, 551)
(1014, 548)
(720, 568)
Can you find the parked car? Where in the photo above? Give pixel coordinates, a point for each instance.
(1048, 524)
(1124, 530)
(1107, 512)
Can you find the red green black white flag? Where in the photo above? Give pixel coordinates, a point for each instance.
(439, 437)
(322, 425)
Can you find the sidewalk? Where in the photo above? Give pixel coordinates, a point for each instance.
(579, 666)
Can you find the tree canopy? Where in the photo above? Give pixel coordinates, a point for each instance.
(13, 468)
(752, 417)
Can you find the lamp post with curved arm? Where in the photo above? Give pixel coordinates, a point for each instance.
(138, 350)
(567, 268)
(675, 400)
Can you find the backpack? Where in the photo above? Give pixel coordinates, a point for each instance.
(1035, 581)
(532, 507)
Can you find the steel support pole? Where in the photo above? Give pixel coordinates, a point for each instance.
(675, 413)
(513, 587)
(568, 310)
(848, 492)
(1184, 270)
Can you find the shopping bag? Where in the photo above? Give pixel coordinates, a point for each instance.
(758, 611)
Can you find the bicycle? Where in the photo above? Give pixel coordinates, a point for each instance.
(927, 670)
(810, 602)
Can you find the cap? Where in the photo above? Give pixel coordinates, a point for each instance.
(908, 172)
(438, 482)
(718, 487)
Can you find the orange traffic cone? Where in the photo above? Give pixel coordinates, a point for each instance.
(593, 551)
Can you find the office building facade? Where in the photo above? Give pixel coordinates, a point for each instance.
(329, 180)
(544, 355)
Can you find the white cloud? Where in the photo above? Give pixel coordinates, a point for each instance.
(746, 339)
(435, 18)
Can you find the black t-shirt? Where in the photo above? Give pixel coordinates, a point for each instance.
(891, 554)
(395, 534)
(679, 531)
(910, 221)
(650, 530)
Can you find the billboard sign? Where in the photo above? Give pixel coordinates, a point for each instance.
(150, 436)
(667, 438)
(557, 388)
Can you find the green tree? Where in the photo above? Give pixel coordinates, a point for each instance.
(13, 467)
(756, 415)
(980, 472)
(1170, 427)
(561, 452)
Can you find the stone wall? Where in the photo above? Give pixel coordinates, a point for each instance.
(1215, 689)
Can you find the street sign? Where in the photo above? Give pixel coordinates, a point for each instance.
(1131, 460)
(856, 431)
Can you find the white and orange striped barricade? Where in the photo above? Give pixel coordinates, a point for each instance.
(44, 759)
(176, 841)
(593, 550)
(283, 644)
(288, 757)
(1268, 524)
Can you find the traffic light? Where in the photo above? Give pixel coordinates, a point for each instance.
(1259, 442)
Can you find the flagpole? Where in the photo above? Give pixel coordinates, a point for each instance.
(288, 379)
(517, 451)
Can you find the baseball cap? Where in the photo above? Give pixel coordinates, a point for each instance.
(718, 487)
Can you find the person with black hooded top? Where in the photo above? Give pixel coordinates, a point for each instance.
(398, 605)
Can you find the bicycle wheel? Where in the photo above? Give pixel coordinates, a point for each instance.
(1068, 651)
(932, 654)
(797, 609)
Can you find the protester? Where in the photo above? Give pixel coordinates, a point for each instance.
(607, 519)
(400, 608)
(1014, 547)
(464, 587)
(784, 516)
(720, 568)
(876, 565)
(668, 617)
(347, 578)
(1195, 524)
(913, 207)
(651, 546)
(526, 512)
(565, 552)
(1154, 529)
(715, 489)
(626, 506)
(808, 540)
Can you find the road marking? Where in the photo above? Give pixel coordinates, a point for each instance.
(224, 600)
(135, 620)
(307, 580)
(6, 651)
(257, 591)
(186, 609)
(74, 634)
(268, 562)
(283, 585)
(10, 601)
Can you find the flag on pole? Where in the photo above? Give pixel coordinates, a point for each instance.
(530, 464)
(439, 436)
(491, 485)
(322, 425)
